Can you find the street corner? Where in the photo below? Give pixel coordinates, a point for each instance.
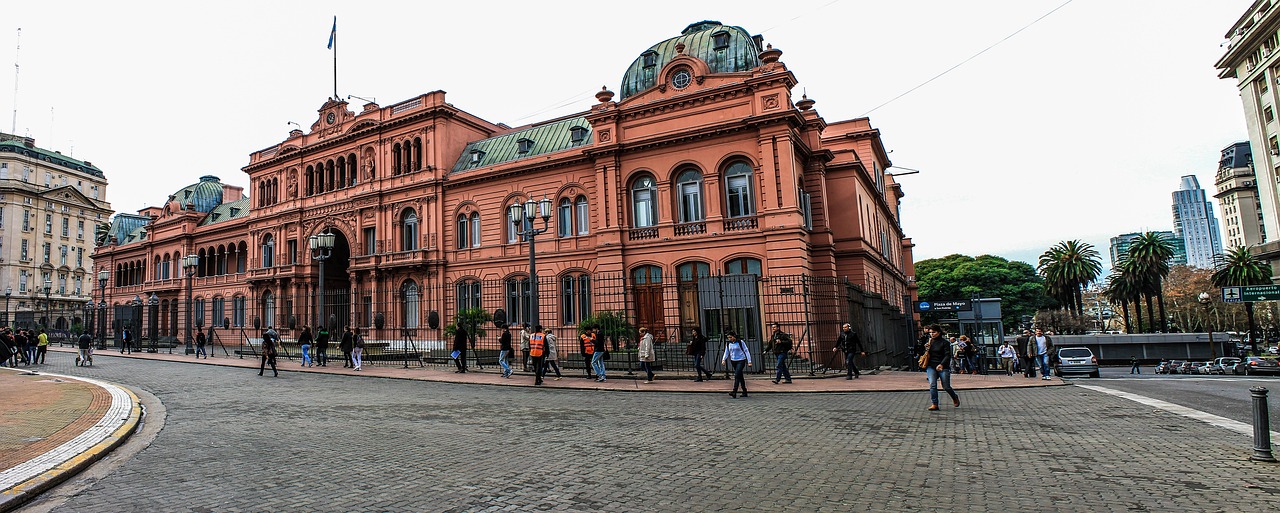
(54, 427)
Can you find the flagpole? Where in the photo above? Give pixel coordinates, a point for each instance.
(335, 57)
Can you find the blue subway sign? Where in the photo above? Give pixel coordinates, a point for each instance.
(945, 305)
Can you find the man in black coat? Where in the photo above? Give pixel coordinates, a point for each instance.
(851, 345)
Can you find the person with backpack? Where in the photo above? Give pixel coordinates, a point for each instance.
(851, 345)
(126, 342)
(697, 348)
(646, 354)
(780, 345)
(737, 355)
(269, 349)
(538, 353)
(200, 343)
(322, 347)
(357, 349)
(346, 345)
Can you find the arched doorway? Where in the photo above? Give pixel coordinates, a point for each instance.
(334, 308)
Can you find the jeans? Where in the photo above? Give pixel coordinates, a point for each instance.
(597, 364)
(322, 355)
(738, 379)
(306, 355)
(1044, 365)
(647, 367)
(503, 357)
(945, 376)
(851, 367)
(1135, 370)
(461, 361)
(539, 369)
(783, 372)
(551, 364)
(697, 366)
(200, 351)
(355, 357)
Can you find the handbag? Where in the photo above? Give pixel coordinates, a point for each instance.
(606, 355)
(924, 358)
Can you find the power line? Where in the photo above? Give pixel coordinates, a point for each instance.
(972, 57)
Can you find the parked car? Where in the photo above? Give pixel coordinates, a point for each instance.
(1165, 367)
(1077, 360)
(1187, 368)
(1175, 366)
(1251, 365)
(1204, 367)
(1223, 365)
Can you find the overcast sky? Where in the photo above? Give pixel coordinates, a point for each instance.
(1078, 127)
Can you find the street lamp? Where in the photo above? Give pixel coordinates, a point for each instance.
(321, 249)
(189, 264)
(525, 215)
(86, 326)
(48, 304)
(103, 276)
(135, 323)
(8, 291)
(1207, 302)
(153, 310)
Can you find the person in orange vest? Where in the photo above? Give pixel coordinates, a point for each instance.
(538, 352)
(587, 347)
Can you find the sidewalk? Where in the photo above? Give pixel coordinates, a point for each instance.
(53, 426)
(890, 381)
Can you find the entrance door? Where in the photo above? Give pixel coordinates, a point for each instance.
(647, 289)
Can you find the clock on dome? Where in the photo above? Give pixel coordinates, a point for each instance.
(331, 118)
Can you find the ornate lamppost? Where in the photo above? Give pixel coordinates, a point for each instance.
(321, 249)
(189, 264)
(153, 304)
(1207, 302)
(103, 276)
(524, 214)
(48, 303)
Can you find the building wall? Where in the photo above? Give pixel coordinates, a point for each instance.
(1194, 222)
(1237, 194)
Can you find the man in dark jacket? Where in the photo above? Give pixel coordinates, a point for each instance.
(346, 345)
(460, 348)
(851, 345)
(780, 345)
(322, 347)
(1040, 348)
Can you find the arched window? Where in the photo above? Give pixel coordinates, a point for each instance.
(268, 251)
(311, 180)
(584, 217)
(739, 201)
(692, 271)
(575, 298)
(647, 275)
(644, 210)
(351, 170)
(468, 294)
(417, 153)
(342, 173)
(742, 266)
(164, 267)
(475, 229)
(514, 226)
(395, 159)
(409, 231)
(242, 260)
(564, 218)
(409, 298)
(518, 300)
(464, 231)
(689, 196)
(268, 309)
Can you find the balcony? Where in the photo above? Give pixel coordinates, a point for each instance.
(642, 233)
(687, 229)
(737, 224)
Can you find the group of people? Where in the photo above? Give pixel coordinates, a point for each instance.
(22, 346)
(351, 345)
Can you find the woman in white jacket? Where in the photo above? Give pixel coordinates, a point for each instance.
(646, 354)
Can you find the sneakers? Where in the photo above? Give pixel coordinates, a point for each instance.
(1046, 378)
(775, 382)
(933, 407)
(648, 381)
(957, 401)
(557, 378)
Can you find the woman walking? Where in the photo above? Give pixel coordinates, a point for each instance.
(347, 345)
(737, 355)
(504, 352)
(460, 349)
(357, 348)
(646, 354)
(552, 351)
(938, 353)
(269, 345)
(304, 340)
(697, 348)
(599, 354)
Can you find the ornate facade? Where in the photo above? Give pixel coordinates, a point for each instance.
(705, 165)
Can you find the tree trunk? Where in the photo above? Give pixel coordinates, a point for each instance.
(1077, 295)
(1151, 313)
(1128, 327)
(1137, 308)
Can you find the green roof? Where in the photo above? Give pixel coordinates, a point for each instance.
(201, 196)
(227, 211)
(14, 144)
(547, 138)
(124, 226)
(741, 54)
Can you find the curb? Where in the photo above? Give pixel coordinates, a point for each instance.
(23, 492)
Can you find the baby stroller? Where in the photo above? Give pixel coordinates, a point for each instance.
(87, 360)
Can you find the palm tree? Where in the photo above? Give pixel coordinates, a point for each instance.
(1121, 290)
(1238, 267)
(1150, 253)
(1068, 267)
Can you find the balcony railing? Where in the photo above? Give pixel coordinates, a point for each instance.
(740, 223)
(691, 229)
(642, 233)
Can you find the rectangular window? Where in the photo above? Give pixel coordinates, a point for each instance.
(79, 285)
(806, 208)
(48, 179)
(644, 211)
(690, 202)
(25, 255)
(564, 219)
(80, 230)
(48, 248)
(62, 254)
(518, 300)
(464, 229)
(370, 240)
(48, 224)
(237, 311)
(66, 225)
(1268, 114)
(197, 312)
(293, 251)
(26, 219)
(22, 280)
(80, 258)
(475, 230)
(62, 284)
(584, 217)
(468, 295)
(95, 192)
(739, 199)
(219, 310)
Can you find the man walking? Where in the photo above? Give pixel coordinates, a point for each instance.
(126, 344)
(1006, 354)
(538, 353)
(1043, 346)
(322, 347)
(1026, 352)
(346, 345)
(780, 345)
(1133, 365)
(851, 345)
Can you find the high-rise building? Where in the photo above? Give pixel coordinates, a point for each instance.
(1238, 197)
(50, 205)
(1195, 224)
(1120, 247)
(1253, 59)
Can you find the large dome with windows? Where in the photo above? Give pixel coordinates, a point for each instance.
(725, 49)
(203, 196)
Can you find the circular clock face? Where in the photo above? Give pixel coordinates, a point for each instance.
(331, 118)
(681, 79)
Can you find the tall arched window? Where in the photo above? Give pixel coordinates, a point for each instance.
(351, 169)
(311, 181)
(514, 226)
(164, 267)
(475, 229)
(242, 260)
(519, 303)
(644, 210)
(742, 266)
(417, 153)
(268, 251)
(464, 231)
(564, 218)
(739, 201)
(409, 231)
(583, 216)
(268, 309)
(395, 159)
(575, 298)
(468, 294)
(689, 195)
(409, 297)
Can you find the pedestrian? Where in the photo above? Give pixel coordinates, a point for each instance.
(126, 342)
(20, 347)
(304, 341)
(200, 343)
(957, 364)
(918, 350)
(937, 358)
(851, 345)
(736, 355)
(538, 354)
(587, 348)
(346, 345)
(270, 343)
(357, 349)
(84, 345)
(600, 355)
(1133, 365)
(459, 353)
(697, 348)
(646, 354)
(1006, 354)
(6, 346)
(1022, 359)
(524, 345)
(780, 344)
(322, 347)
(962, 350)
(41, 348)
(1042, 345)
(504, 351)
(552, 352)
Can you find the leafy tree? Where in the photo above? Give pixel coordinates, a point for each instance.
(1068, 267)
(471, 319)
(1018, 286)
(613, 325)
(1122, 289)
(1238, 267)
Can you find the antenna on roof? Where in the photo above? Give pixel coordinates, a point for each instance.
(16, 52)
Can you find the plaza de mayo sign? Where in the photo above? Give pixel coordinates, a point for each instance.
(1251, 293)
(944, 305)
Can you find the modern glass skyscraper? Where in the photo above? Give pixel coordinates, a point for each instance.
(1195, 224)
(1120, 247)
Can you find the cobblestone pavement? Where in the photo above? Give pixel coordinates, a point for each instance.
(234, 441)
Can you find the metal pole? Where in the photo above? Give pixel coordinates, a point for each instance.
(1261, 426)
(191, 272)
(533, 274)
(320, 293)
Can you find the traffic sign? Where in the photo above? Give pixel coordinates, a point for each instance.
(946, 305)
(1251, 293)
(1231, 295)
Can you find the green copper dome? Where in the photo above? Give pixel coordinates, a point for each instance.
(203, 196)
(725, 49)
